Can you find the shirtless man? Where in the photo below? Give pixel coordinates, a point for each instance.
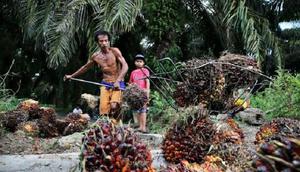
(114, 68)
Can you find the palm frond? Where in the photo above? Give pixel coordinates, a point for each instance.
(81, 6)
(55, 24)
(257, 36)
(118, 16)
(60, 40)
(28, 15)
(45, 16)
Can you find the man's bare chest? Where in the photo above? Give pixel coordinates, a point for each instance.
(105, 59)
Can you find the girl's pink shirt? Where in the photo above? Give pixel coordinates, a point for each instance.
(139, 76)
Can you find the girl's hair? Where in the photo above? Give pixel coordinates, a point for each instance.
(139, 57)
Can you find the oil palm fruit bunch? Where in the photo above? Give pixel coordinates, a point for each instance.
(29, 127)
(197, 83)
(228, 143)
(206, 80)
(135, 97)
(281, 154)
(228, 131)
(219, 84)
(276, 128)
(183, 95)
(211, 163)
(237, 77)
(31, 106)
(46, 122)
(189, 138)
(11, 119)
(75, 123)
(61, 124)
(107, 147)
(47, 114)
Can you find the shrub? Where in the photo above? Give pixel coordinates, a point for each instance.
(281, 98)
(161, 115)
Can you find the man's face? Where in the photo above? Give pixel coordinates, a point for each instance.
(103, 41)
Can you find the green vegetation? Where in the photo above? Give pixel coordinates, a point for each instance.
(161, 115)
(9, 103)
(50, 39)
(281, 98)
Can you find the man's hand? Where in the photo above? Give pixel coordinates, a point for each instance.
(117, 85)
(67, 77)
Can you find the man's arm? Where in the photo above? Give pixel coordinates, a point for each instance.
(81, 70)
(123, 62)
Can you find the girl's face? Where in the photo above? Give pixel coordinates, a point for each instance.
(139, 63)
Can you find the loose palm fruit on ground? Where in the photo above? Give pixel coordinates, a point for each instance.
(11, 119)
(210, 164)
(228, 131)
(61, 124)
(75, 124)
(108, 147)
(47, 122)
(281, 154)
(277, 128)
(228, 144)
(31, 106)
(29, 127)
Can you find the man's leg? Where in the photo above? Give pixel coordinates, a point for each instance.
(115, 104)
(104, 104)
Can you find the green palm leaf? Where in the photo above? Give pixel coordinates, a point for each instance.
(257, 36)
(55, 24)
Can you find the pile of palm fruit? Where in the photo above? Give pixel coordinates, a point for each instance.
(195, 136)
(228, 145)
(280, 127)
(30, 106)
(75, 123)
(29, 127)
(210, 164)
(189, 139)
(39, 121)
(11, 119)
(278, 146)
(135, 97)
(280, 154)
(46, 122)
(211, 82)
(108, 147)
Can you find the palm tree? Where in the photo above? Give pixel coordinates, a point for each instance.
(59, 27)
(246, 25)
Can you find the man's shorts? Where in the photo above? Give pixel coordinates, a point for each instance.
(108, 96)
(143, 110)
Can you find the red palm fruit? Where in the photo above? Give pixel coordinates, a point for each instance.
(108, 144)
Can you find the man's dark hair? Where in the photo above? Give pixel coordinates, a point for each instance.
(101, 32)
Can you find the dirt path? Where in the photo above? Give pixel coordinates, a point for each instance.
(19, 152)
(249, 132)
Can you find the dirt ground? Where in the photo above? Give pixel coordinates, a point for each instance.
(20, 143)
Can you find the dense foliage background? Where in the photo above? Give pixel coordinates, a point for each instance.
(49, 39)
